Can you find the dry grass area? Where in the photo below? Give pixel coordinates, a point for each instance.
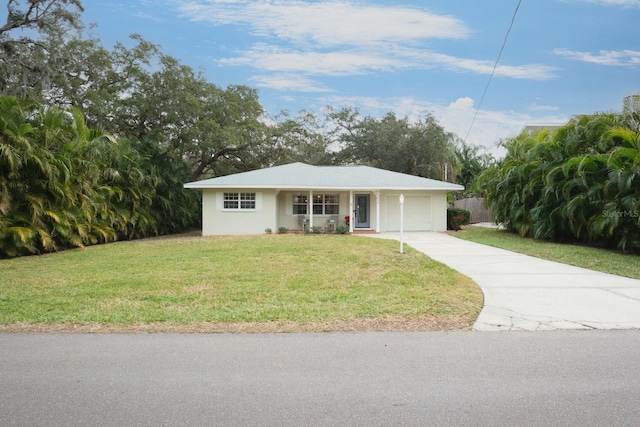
(442, 323)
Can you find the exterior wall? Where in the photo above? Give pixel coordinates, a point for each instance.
(286, 218)
(440, 211)
(218, 221)
(274, 209)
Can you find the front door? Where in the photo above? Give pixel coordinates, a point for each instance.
(362, 213)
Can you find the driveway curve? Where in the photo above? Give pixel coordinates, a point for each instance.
(527, 293)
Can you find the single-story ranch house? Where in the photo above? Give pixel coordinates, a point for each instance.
(299, 195)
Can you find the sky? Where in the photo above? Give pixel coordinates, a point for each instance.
(557, 58)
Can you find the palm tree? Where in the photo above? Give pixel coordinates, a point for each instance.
(27, 177)
(619, 220)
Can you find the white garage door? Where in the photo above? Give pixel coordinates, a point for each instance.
(417, 213)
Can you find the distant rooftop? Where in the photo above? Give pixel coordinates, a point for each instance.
(629, 104)
(539, 127)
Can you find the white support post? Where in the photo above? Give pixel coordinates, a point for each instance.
(377, 212)
(401, 223)
(310, 209)
(276, 216)
(351, 218)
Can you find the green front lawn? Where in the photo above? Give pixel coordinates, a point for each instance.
(606, 261)
(256, 283)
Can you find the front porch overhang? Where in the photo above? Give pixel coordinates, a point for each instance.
(310, 216)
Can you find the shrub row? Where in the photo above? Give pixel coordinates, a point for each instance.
(580, 183)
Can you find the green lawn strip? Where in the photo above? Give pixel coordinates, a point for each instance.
(603, 260)
(189, 280)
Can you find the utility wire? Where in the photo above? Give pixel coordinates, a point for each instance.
(486, 88)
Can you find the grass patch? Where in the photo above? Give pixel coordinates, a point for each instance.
(276, 282)
(603, 260)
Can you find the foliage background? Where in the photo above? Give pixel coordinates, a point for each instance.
(577, 184)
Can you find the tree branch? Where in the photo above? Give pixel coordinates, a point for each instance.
(205, 163)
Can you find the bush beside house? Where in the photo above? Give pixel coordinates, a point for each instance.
(456, 218)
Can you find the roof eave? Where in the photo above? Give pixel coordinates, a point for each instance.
(194, 186)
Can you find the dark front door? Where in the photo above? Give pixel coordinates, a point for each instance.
(362, 214)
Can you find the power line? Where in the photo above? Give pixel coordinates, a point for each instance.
(486, 88)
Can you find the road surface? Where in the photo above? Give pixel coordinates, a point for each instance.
(327, 379)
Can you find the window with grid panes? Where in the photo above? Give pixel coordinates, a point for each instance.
(300, 204)
(240, 201)
(331, 204)
(326, 204)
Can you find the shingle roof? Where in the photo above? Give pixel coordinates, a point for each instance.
(304, 176)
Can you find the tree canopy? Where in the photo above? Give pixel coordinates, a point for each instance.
(421, 148)
(96, 143)
(32, 44)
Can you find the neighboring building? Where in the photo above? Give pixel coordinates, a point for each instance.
(299, 195)
(630, 107)
(539, 127)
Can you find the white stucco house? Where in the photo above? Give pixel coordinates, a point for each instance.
(299, 195)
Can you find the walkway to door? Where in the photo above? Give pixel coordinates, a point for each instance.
(527, 293)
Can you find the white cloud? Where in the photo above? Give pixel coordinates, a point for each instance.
(623, 3)
(528, 71)
(300, 41)
(465, 103)
(490, 127)
(619, 58)
(273, 58)
(354, 62)
(344, 38)
(536, 107)
(328, 23)
(289, 82)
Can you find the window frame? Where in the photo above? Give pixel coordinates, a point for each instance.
(327, 204)
(239, 201)
(299, 203)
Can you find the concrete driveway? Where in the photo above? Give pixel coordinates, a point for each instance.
(526, 293)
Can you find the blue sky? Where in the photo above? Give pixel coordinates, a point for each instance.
(562, 57)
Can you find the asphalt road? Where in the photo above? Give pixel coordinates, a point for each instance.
(586, 378)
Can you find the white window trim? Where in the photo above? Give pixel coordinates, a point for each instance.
(324, 204)
(240, 208)
(299, 203)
